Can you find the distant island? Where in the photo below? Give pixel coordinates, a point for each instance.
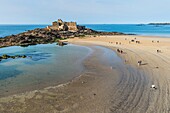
(159, 24)
(59, 30)
(140, 25)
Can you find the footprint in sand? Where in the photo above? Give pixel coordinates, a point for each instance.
(61, 108)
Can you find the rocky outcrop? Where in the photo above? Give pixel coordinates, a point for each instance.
(43, 36)
(5, 56)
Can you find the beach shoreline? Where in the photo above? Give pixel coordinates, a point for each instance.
(154, 53)
(127, 91)
(89, 78)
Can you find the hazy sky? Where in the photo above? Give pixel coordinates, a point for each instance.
(84, 11)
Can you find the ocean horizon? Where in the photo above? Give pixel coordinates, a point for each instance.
(137, 29)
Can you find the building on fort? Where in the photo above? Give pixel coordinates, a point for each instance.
(63, 26)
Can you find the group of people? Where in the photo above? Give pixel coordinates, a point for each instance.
(156, 41)
(118, 43)
(119, 51)
(134, 40)
(138, 42)
(138, 62)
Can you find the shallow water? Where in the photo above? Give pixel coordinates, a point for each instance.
(46, 65)
(110, 57)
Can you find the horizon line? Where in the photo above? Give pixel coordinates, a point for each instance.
(77, 24)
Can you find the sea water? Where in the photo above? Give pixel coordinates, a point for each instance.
(138, 29)
(45, 65)
(6, 30)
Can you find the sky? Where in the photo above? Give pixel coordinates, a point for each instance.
(84, 11)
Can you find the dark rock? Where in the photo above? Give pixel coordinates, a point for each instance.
(5, 56)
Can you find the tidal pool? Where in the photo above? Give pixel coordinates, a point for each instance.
(46, 65)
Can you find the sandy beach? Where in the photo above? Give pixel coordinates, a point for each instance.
(108, 84)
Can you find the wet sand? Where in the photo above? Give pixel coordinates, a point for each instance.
(107, 86)
(82, 94)
(133, 94)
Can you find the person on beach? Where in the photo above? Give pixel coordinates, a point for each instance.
(158, 51)
(138, 42)
(139, 63)
(121, 51)
(111, 67)
(118, 50)
(153, 86)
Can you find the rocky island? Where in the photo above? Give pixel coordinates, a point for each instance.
(58, 31)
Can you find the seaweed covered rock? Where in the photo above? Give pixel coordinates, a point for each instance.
(5, 56)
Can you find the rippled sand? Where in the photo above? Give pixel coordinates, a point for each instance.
(133, 93)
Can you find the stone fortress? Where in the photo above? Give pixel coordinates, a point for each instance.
(65, 26)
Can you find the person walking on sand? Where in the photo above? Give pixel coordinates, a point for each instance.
(121, 51)
(158, 51)
(139, 63)
(153, 86)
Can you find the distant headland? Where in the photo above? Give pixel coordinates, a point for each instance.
(59, 30)
(159, 24)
